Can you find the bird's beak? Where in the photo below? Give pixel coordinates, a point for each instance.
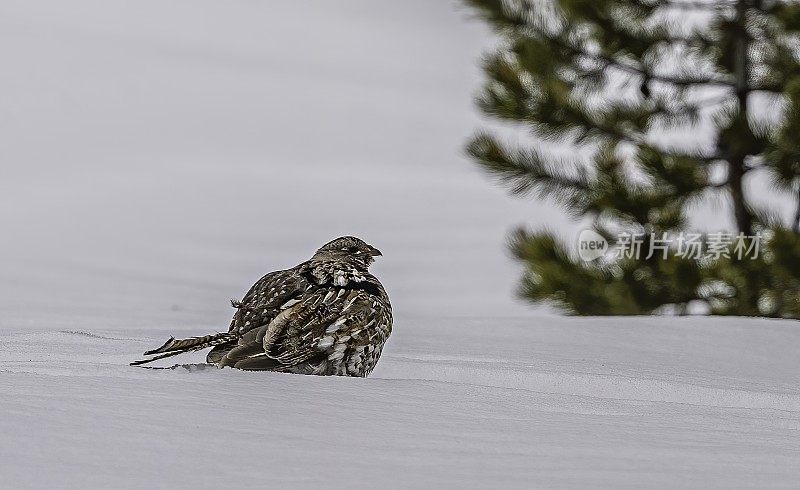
(374, 252)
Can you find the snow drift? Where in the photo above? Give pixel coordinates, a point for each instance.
(480, 403)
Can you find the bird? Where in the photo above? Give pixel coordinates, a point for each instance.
(327, 316)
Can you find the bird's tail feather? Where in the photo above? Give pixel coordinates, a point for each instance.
(173, 346)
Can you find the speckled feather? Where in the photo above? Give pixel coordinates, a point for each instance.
(326, 316)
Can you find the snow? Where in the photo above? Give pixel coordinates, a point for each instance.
(542, 401)
(158, 157)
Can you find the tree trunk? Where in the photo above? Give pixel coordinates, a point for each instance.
(796, 221)
(736, 162)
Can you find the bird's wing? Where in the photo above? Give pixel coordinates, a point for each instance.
(269, 296)
(318, 329)
(256, 346)
(264, 301)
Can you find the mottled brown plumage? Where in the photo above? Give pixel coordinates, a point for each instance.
(326, 316)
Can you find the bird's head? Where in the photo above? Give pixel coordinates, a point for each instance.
(350, 250)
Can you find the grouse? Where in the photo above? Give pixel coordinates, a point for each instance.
(325, 316)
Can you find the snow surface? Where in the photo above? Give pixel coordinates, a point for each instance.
(542, 401)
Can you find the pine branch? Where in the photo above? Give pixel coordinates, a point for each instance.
(529, 171)
(519, 93)
(507, 20)
(682, 175)
(692, 5)
(606, 61)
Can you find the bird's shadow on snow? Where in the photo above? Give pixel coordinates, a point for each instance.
(192, 368)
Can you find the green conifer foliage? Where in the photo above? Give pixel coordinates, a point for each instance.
(604, 79)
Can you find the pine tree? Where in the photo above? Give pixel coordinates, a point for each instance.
(605, 80)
